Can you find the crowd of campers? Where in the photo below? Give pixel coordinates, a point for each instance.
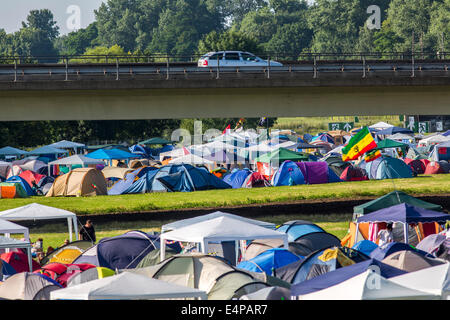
(223, 256)
(235, 159)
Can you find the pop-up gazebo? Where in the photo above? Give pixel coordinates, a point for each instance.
(403, 213)
(36, 211)
(223, 228)
(8, 227)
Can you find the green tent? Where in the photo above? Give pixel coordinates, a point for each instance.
(388, 143)
(392, 199)
(155, 141)
(280, 155)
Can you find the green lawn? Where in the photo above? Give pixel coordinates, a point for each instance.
(429, 184)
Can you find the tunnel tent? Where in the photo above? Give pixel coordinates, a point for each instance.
(36, 211)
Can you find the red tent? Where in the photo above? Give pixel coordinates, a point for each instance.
(255, 180)
(19, 261)
(31, 177)
(416, 165)
(433, 168)
(354, 174)
(61, 272)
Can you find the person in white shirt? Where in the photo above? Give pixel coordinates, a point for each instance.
(385, 235)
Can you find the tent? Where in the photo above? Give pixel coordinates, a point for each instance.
(368, 280)
(387, 168)
(298, 228)
(393, 130)
(417, 166)
(256, 180)
(365, 246)
(67, 253)
(17, 257)
(64, 144)
(433, 167)
(126, 286)
(276, 157)
(289, 174)
(388, 143)
(7, 228)
(36, 211)
(191, 159)
(4, 168)
(62, 272)
(12, 190)
(140, 180)
(31, 177)
(123, 251)
(434, 280)
(406, 214)
(28, 286)
(48, 150)
(76, 159)
(155, 140)
(269, 293)
(390, 199)
(6, 270)
(313, 241)
(388, 249)
(381, 125)
(186, 222)
(269, 260)
(441, 151)
(11, 151)
(336, 163)
(211, 274)
(320, 262)
(435, 244)
(89, 275)
(111, 154)
(116, 172)
(353, 174)
(317, 172)
(411, 261)
(220, 229)
(237, 177)
(79, 182)
(28, 189)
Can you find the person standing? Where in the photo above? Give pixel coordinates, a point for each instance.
(87, 232)
(385, 235)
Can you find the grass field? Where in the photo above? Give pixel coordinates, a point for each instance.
(336, 224)
(424, 184)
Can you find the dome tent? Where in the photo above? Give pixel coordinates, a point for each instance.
(28, 286)
(289, 174)
(237, 177)
(79, 182)
(388, 168)
(269, 260)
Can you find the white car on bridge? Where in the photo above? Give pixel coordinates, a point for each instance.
(234, 59)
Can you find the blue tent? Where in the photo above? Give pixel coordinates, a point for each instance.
(298, 228)
(138, 181)
(16, 179)
(189, 178)
(141, 150)
(387, 168)
(122, 252)
(237, 177)
(289, 174)
(365, 246)
(269, 260)
(393, 130)
(389, 248)
(340, 275)
(6, 270)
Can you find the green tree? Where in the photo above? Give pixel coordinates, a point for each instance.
(439, 29)
(76, 42)
(228, 40)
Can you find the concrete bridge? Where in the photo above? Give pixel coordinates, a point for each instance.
(112, 91)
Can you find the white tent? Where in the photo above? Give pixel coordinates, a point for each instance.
(368, 285)
(126, 286)
(191, 159)
(10, 243)
(36, 211)
(222, 228)
(75, 159)
(8, 227)
(381, 125)
(64, 144)
(4, 167)
(434, 280)
(186, 222)
(433, 139)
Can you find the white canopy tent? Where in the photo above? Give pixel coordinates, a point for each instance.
(10, 243)
(127, 286)
(381, 125)
(368, 285)
(36, 211)
(191, 159)
(434, 280)
(64, 144)
(187, 222)
(8, 228)
(222, 228)
(75, 159)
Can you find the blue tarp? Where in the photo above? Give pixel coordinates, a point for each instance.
(10, 151)
(111, 154)
(269, 260)
(289, 174)
(340, 275)
(47, 150)
(365, 246)
(237, 177)
(404, 213)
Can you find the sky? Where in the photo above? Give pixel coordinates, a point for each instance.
(13, 12)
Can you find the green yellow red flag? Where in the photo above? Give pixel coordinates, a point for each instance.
(372, 155)
(359, 144)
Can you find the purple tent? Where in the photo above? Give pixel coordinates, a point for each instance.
(314, 172)
(406, 214)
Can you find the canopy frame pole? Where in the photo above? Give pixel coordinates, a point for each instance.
(356, 233)
(406, 231)
(69, 224)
